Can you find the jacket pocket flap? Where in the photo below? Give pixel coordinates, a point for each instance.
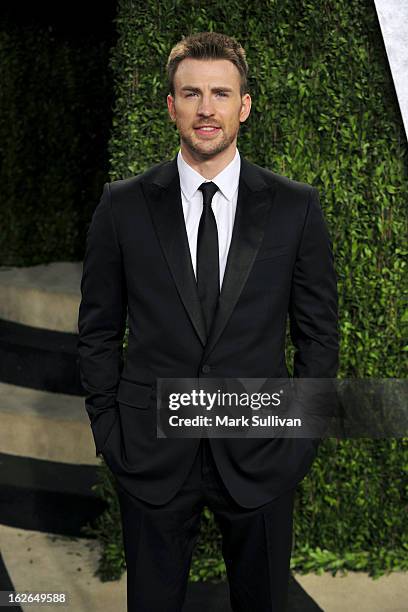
(134, 394)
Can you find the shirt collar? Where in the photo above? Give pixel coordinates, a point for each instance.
(226, 180)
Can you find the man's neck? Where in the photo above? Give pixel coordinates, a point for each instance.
(209, 168)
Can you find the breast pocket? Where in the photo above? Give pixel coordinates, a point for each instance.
(134, 394)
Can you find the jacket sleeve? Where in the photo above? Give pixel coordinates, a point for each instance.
(102, 319)
(314, 302)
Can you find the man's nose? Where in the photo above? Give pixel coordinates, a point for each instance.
(205, 106)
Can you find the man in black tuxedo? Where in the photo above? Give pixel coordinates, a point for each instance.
(207, 254)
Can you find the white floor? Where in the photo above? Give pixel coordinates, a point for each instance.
(357, 592)
(50, 563)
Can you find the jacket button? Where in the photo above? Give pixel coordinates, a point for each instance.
(206, 368)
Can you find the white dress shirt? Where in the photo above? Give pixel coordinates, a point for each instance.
(224, 204)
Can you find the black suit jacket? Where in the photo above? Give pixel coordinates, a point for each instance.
(138, 264)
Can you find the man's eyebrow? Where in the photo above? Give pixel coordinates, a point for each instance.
(198, 90)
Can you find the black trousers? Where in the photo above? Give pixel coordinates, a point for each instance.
(159, 541)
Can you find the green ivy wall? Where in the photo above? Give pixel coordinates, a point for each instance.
(324, 112)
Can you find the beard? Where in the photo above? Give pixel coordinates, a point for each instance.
(202, 151)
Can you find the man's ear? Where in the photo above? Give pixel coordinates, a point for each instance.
(171, 107)
(245, 107)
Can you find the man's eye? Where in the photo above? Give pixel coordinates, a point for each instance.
(223, 94)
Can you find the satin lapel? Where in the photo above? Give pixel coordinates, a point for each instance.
(255, 198)
(163, 196)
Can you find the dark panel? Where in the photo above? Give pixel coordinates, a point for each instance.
(48, 496)
(39, 359)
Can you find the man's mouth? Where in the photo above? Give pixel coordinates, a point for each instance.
(207, 129)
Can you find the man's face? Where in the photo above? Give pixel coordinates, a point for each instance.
(207, 106)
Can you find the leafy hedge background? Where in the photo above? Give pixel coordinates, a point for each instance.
(324, 112)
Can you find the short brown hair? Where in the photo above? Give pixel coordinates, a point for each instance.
(208, 45)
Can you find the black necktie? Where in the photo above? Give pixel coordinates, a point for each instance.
(208, 272)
